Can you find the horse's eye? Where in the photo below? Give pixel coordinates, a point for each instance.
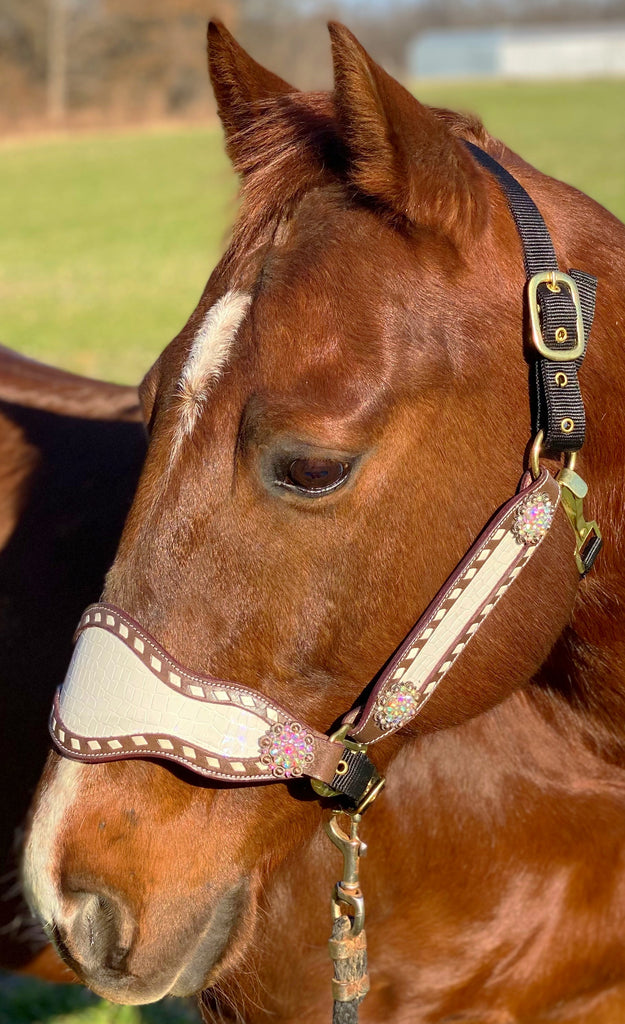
(315, 475)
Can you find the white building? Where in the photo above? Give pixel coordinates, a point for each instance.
(540, 51)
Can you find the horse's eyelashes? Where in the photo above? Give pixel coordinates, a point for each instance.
(314, 475)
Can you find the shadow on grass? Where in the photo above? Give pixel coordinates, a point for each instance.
(28, 1001)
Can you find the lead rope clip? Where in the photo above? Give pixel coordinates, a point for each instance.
(588, 540)
(348, 945)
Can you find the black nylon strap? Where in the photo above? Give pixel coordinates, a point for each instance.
(555, 397)
(353, 782)
(556, 390)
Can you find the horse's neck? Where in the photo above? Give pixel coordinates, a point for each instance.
(492, 821)
(587, 667)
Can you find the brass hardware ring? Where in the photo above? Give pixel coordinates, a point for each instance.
(535, 452)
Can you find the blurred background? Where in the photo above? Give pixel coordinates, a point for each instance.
(116, 198)
(98, 62)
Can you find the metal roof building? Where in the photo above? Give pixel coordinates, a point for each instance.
(541, 51)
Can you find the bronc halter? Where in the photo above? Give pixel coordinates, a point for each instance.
(125, 697)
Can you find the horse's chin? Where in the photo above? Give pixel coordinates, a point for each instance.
(167, 965)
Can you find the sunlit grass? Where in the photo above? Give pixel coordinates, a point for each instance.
(107, 240)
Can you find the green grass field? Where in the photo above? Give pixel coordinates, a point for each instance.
(107, 241)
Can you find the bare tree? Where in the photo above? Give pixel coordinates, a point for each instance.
(57, 60)
(140, 59)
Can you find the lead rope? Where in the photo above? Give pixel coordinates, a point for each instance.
(349, 954)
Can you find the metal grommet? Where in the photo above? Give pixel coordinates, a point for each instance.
(567, 426)
(561, 379)
(561, 335)
(342, 768)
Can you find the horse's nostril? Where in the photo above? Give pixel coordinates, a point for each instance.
(98, 934)
(116, 960)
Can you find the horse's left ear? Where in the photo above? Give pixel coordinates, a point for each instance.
(401, 153)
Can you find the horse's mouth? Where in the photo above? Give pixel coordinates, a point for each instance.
(216, 943)
(186, 963)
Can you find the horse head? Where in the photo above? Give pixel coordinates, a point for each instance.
(331, 429)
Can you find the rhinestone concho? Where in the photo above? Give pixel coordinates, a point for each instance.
(533, 519)
(400, 704)
(286, 750)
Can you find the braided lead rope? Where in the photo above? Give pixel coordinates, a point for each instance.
(351, 981)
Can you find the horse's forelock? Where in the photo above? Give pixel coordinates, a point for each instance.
(296, 144)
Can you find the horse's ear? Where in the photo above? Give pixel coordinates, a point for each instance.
(238, 81)
(401, 153)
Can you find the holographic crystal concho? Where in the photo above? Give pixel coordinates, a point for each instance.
(533, 518)
(286, 750)
(399, 704)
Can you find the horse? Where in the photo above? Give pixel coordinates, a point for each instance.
(329, 432)
(70, 454)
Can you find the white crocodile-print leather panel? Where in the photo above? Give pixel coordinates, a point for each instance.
(454, 616)
(454, 621)
(108, 691)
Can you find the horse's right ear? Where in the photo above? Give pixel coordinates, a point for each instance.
(238, 81)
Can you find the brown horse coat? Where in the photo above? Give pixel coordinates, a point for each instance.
(70, 454)
(374, 291)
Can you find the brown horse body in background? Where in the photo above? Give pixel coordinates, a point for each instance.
(70, 454)
(375, 290)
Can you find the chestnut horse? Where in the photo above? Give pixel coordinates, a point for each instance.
(338, 419)
(70, 454)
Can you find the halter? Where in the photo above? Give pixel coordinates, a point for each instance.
(124, 696)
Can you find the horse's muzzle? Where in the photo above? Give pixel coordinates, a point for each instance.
(101, 939)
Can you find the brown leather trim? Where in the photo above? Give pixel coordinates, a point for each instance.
(367, 730)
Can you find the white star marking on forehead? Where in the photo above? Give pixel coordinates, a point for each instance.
(207, 358)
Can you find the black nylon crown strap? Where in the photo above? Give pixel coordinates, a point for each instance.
(556, 400)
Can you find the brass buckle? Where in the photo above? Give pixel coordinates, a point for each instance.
(555, 278)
